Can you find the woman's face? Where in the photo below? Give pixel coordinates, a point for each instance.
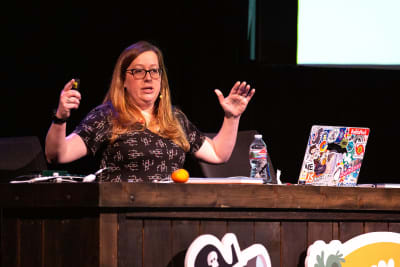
(144, 91)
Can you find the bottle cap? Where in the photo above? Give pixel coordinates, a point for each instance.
(258, 136)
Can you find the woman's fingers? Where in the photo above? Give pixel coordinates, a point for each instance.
(69, 99)
(219, 95)
(241, 88)
(250, 94)
(235, 88)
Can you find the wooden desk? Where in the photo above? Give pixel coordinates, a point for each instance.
(124, 224)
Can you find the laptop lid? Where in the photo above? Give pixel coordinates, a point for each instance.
(334, 155)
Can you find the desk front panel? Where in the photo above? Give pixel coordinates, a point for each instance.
(118, 225)
(161, 237)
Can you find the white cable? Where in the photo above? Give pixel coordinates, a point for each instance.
(62, 178)
(91, 177)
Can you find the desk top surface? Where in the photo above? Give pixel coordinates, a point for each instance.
(218, 196)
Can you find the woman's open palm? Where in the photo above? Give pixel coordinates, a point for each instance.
(236, 102)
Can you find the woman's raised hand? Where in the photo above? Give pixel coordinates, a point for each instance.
(236, 102)
(69, 99)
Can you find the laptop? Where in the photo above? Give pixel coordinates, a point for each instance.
(333, 156)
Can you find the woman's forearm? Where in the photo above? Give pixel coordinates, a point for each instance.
(62, 149)
(224, 141)
(55, 142)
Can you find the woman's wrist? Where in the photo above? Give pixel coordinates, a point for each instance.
(231, 117)
(58, 120)
(231, 122)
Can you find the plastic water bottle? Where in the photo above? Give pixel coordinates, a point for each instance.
(258, 159)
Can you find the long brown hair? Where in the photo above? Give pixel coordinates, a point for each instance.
(127, 115)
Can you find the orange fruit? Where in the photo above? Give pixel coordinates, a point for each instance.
(180, 176)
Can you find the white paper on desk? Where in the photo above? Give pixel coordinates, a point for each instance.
(388, 185)
(225, 180)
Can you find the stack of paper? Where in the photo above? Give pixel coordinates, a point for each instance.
(225, 180)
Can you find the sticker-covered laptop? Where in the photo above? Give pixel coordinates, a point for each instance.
(334, 155)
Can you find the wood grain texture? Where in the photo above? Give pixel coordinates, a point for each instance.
(319, 231)
(248, 196)
(293, 243)
(268, 234)
(127, 224)
(130, 242)
(184, 232)
(157, 242)
(108, 240)
(348, 230)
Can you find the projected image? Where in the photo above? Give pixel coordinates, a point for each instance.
(348, 32)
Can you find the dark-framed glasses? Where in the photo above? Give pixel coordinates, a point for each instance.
(141, 73)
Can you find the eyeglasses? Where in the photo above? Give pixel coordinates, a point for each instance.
(141, 73)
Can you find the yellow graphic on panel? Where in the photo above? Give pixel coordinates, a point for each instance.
(376, 249)
(372, 254)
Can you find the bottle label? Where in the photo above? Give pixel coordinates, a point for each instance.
(258, 153)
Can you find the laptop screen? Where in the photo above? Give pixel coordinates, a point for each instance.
(334, 155)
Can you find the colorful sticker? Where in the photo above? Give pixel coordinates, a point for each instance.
(323, 146)
(360, 149)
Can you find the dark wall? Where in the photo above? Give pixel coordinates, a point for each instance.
(205, 47)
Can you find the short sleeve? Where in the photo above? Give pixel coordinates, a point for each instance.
(194, 136)
(95, 128)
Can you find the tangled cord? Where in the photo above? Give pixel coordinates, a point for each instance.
(62, 178)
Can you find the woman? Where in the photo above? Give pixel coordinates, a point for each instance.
(140, 136)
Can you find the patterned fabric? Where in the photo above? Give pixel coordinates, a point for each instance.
(137, 156)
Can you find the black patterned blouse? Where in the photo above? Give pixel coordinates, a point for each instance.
(137, 156)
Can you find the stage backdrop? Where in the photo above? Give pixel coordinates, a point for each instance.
(205, 46)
